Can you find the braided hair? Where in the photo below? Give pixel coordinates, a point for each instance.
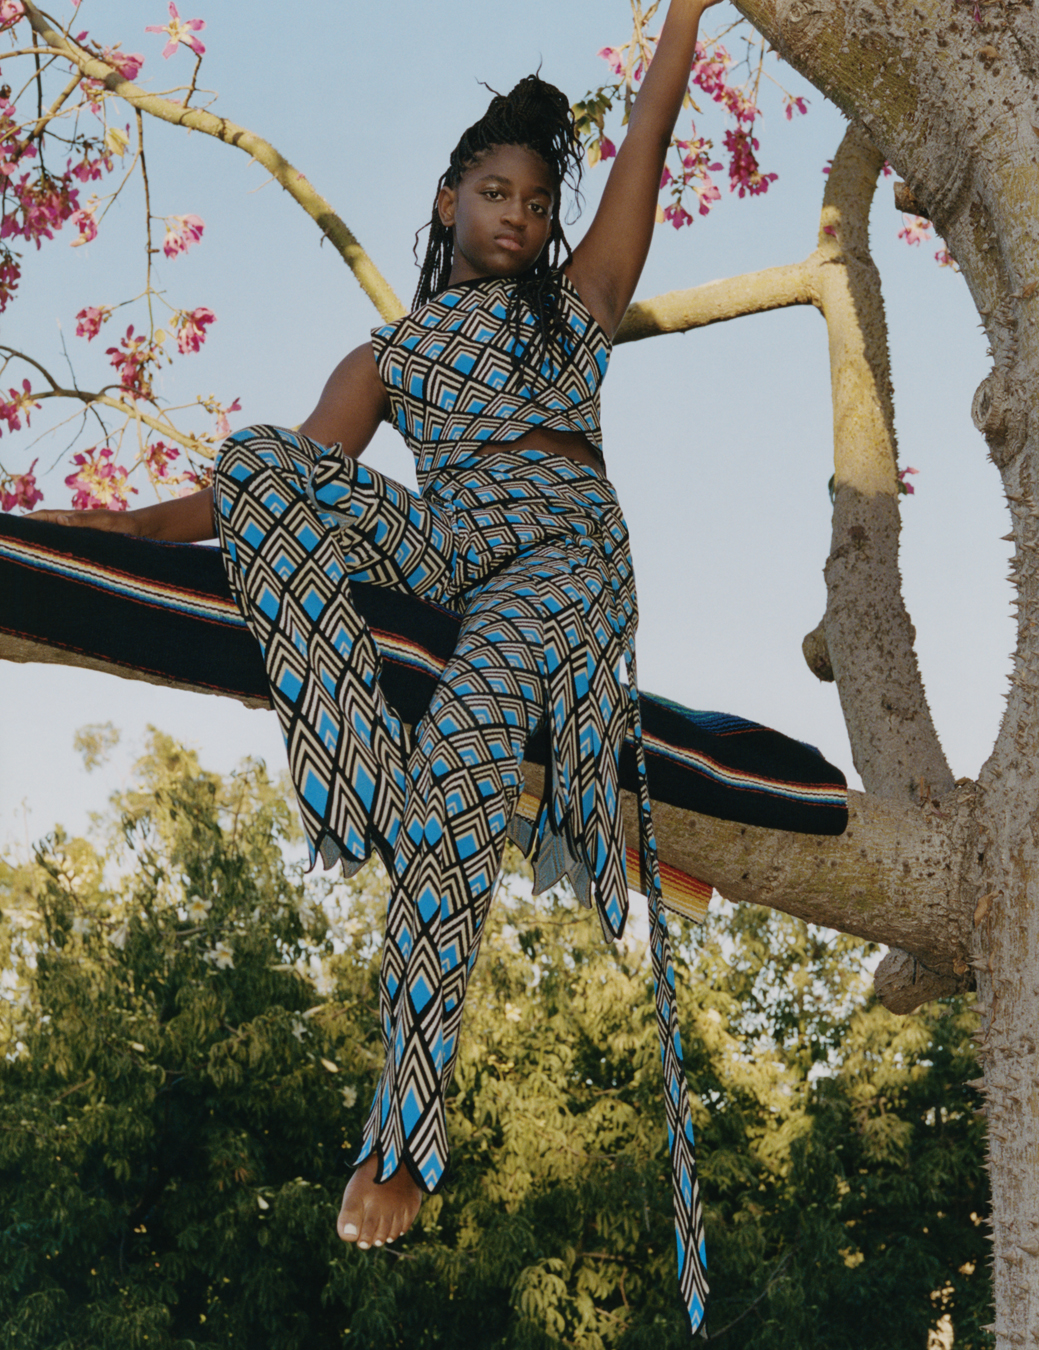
(537, 116)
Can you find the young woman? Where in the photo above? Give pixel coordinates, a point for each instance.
(493, 379)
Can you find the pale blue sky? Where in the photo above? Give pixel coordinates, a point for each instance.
(719, 441)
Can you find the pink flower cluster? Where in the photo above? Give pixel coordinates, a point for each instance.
(131, 360)
(903, 486)
(89, 320)
(179, 31)
(745, 174)
(10, 275)
(792, 105)
(84, 220)
(709, 71)
(10, 12)
(181, 233)
(21, 490)
(191, 328)
(98, 484)
(157, 457)
(37, 201)
(17, 406)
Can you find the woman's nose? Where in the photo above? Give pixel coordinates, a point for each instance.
(512, 212)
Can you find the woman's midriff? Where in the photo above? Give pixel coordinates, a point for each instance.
(570, 444)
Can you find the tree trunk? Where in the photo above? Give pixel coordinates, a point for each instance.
(949, 94)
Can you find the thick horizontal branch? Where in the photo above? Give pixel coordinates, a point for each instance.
(372, 282)
(716, 301)
(898, 875)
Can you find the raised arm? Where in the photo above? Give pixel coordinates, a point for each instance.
(608, 261)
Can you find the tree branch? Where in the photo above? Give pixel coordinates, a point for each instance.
(869, 636)
(900, 874)
(716, 301)
(197, 444)
(371, 281)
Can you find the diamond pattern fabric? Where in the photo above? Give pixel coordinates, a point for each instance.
(531, 550)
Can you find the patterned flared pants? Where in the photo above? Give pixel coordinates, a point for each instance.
(518, 550)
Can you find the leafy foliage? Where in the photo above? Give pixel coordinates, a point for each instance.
(191, 1041)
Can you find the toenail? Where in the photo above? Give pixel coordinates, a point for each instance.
(349, 1230)
(363, 1246)
(378, 1242)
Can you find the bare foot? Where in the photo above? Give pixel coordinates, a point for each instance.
(377, 1212)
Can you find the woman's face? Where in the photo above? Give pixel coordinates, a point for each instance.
(501, 213)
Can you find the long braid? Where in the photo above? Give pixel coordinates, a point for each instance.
(537, 116)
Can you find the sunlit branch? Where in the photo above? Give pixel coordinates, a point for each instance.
(337, 232)
(194, 79)
(717, 301)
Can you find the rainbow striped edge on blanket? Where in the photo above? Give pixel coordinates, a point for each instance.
(164, 610)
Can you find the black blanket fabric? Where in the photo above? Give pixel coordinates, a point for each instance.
(165, 609)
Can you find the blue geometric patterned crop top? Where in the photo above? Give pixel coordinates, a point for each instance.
(452, 381)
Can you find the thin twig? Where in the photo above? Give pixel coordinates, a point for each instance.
(53, 110)
(147, 221)
(194, 77)
(751, 1306)
(69, 1091)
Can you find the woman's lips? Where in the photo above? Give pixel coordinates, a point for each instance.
(508, 241)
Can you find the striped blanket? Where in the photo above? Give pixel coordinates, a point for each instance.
(164, 611)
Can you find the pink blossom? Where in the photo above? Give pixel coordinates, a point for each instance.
(180, 31)
(945, 259)
(131, 360)
(21, 490)
(678, 216)
(98, 484)
(128, 64)
(10, 12)
(745, 175)
(915, 229)
(223, 426)
(607, 149)
(89, 170)
(181, 233)
(903, 486)
(44, 206)
(191, 328)
(614, 58)
(709, 71)
(10, 275)
(158, 456)
(89, 320)
(18, 406)
(84, 219)
(792, 105)
(707, 194)
(887, 170)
